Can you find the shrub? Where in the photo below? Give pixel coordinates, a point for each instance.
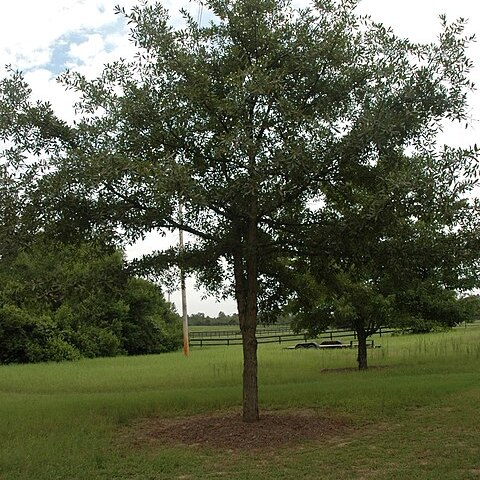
(27, 338)
(60, 302)
(16, 327)
(151, 326)
(92, 341)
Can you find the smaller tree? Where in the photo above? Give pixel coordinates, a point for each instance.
(398, 248)
(471, 306)
(365, 307)
(424, 308)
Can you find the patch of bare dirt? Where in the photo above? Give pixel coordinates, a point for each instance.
(227, 430)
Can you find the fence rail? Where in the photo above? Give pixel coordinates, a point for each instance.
(236, 333)
(277, 337)
(284, 334)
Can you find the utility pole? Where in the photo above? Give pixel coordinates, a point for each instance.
(181, 248)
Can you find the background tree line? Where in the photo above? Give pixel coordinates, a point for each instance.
(200, 319)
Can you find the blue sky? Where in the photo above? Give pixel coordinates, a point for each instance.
(44, 38)
(61, 55)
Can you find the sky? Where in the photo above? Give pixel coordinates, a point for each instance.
(44, 38)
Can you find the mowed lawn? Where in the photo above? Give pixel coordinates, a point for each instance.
(414, 415)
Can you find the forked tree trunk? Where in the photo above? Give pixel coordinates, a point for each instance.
(362, 349)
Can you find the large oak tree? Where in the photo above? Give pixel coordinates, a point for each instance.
(244, 122)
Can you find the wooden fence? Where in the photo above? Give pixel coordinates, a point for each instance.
(265, 336)
(236, 333)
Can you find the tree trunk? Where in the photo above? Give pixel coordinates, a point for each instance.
(362, 349)
(246, 290)
(250, 385)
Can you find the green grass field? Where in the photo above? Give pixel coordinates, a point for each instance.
(417, 418)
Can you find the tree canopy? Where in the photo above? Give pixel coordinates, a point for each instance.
(399, 250)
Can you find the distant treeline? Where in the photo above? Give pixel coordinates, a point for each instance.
(200, 319)
(469, 307)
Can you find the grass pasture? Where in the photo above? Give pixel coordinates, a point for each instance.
(416, 415)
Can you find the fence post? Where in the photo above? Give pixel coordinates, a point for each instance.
(279, 339)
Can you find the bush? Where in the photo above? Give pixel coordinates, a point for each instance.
(93, 342)
(16, 327)
(60, 302)
(151, 326)
(421, 325)
(25, 338)
(58, 350)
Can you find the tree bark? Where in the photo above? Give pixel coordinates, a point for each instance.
(246, 290)
(250, 365)
(362, 349)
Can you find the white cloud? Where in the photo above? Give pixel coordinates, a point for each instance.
(46, 88)
(87, 32)
(89, 56)
(87, 51)
(419, 20)
(30, 28)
